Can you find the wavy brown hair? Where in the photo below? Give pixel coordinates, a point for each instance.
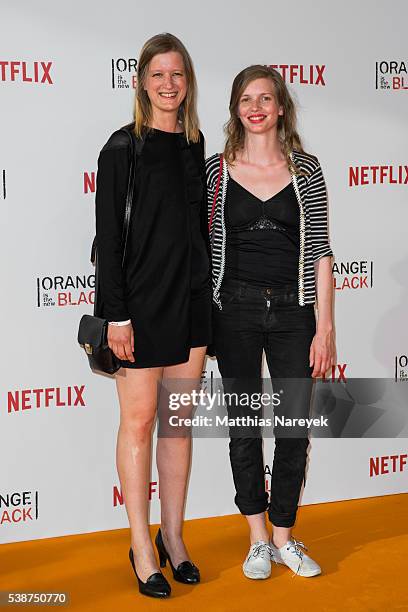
(163, 43)
(287, 132)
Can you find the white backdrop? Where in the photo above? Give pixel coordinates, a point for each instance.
(65, 86)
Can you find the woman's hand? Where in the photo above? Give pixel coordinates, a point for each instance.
(322, 353)
(121, 341)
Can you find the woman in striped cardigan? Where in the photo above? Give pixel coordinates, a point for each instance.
(271, 271)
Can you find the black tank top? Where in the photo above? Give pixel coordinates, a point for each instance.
(262, 237)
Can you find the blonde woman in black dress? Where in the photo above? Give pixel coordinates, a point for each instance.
(159, 305)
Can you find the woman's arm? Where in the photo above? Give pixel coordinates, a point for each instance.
(323, 350)
(111, 189)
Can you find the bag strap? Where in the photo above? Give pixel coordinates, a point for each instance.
(96, 294)
(136, 146)
(217, 189)
(135, 149)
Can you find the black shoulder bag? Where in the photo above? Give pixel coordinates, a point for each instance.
(93, 330)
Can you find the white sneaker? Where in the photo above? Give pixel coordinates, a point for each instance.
(257, 565)
(291, 555)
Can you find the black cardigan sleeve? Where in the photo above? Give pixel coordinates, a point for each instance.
(204, 199)
(111, 188)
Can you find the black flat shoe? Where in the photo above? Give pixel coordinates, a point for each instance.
(155, 586)
(185, 572)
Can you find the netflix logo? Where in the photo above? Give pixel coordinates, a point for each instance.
(47, 397)
(374, 175)
(89, 182)
(123, 73)
(301, 74)
(352, 275)
(391, 75)
(18, 507)
(26, 72)
(387, 464)
(336, 373)
(62, 291)
(153, 491)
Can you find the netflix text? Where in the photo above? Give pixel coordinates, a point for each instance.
(45, 397)
(26, 72)
(300, 74)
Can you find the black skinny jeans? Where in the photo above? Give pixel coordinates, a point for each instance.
(253, 320)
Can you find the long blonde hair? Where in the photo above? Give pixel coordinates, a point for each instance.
(287, 133)
(163, 43)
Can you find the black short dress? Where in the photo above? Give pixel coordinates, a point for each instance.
(164, 287)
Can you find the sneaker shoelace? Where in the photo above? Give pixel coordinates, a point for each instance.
(260, 550)
(294, 546)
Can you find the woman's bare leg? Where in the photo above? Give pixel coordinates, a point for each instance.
(257, 527)
(281, 535)
(137, 390)
(173, 462)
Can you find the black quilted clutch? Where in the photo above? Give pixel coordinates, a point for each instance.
(92, 336)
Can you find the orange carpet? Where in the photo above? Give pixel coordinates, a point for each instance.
(361, 545)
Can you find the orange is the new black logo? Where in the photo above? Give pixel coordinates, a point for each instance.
(18, 507)
(123, 73)
(65, 290)
(391, 75)
(353, 275)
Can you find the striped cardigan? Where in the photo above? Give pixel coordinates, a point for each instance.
(311, 195)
